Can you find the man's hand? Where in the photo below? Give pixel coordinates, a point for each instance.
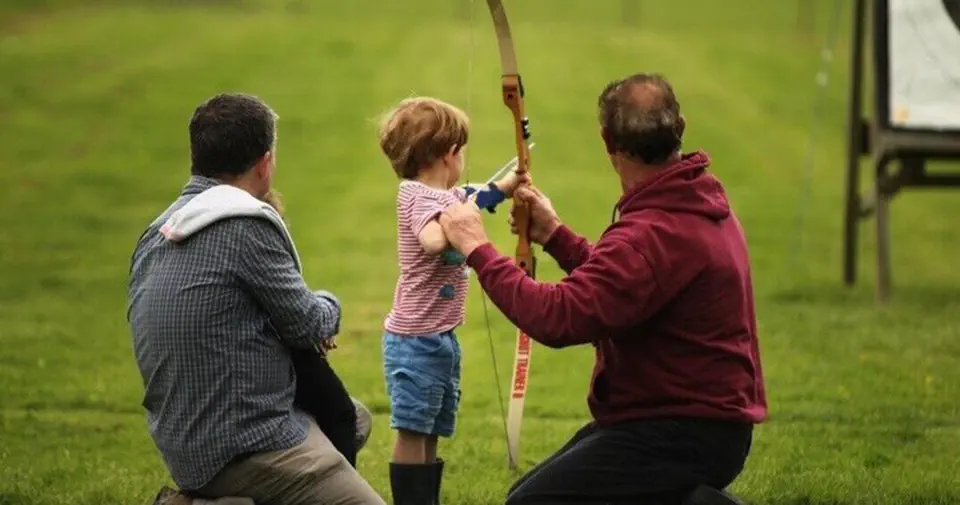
(543, 219)
(511, 181)
(463, 227)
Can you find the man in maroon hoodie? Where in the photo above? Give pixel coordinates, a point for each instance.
(665, 298)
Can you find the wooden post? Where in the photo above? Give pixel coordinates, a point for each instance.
(885, 144)
(855, 132)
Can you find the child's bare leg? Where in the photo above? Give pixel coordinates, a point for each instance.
(410, 447)
(431, 449)
(412, 479)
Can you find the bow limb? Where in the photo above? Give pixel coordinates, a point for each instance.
(513, 93)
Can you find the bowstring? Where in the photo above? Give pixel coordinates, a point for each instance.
(830, 42)
(483, 296)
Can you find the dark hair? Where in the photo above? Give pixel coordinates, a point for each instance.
(640, 118)
(229, 133)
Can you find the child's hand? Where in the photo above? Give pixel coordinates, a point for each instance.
(511, 182)
(326, 345)
(329, 344)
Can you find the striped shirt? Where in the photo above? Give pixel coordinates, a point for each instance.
(431, 292)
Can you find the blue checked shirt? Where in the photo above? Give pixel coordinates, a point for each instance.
(212, 318)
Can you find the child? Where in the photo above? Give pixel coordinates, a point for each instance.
(424, 140)
(321, 394)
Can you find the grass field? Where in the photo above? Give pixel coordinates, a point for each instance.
(94, 103)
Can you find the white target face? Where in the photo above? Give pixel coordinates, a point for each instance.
(924, 64)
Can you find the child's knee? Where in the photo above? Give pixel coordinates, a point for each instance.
(411, 435)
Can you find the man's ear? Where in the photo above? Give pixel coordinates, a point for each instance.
(606, 140)
(264, 166)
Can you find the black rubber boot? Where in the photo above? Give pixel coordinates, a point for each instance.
(413, 484)
(706, 495)
(438, 466)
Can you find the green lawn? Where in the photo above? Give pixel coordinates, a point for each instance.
(94, 104)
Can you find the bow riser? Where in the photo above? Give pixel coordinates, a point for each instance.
(512, 89)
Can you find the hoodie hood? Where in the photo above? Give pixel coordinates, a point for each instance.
(685, 186)
(217, 203)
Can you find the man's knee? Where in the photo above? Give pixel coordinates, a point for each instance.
(232, 500)
(524, 492)
(343, 485)
(325, 480)
(512, 492)
(525, 499)
(311, 473)
(364, 423)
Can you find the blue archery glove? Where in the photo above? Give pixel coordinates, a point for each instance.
(487, 198)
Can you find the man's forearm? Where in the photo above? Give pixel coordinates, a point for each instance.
(616, 289)
(535, 308)
(567, 248)
(302, 318)
(330, 326)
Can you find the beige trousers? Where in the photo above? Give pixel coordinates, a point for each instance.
(312, 473)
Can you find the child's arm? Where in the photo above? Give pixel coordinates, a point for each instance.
(510, 182)
(420, 211)
(432, 238)
(491, 195)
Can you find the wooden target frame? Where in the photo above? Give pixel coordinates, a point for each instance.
(884, 143)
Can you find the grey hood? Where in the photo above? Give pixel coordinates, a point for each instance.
(221, 202)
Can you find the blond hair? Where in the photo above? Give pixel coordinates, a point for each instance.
(419, 131)
(273, 199)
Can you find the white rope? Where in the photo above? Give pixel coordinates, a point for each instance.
(822, 80)
(483, 296)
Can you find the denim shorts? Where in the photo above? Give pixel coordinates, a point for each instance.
(423, 382)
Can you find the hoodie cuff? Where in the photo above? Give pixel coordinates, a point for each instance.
(481, 256)
(559, 240)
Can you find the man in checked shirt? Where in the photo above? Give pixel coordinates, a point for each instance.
(218, 307)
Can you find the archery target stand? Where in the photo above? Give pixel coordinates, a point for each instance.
(916, 82)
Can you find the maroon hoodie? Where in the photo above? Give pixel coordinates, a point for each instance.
(664, 296)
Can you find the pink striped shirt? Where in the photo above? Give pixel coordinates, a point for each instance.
(431, 291)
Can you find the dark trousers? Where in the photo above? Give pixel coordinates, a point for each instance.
(645, 462)
(321, 393)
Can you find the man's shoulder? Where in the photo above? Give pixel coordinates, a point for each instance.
(633, 226)
(240, 229)
(664, 237)
(654, 228)
(661, 221)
